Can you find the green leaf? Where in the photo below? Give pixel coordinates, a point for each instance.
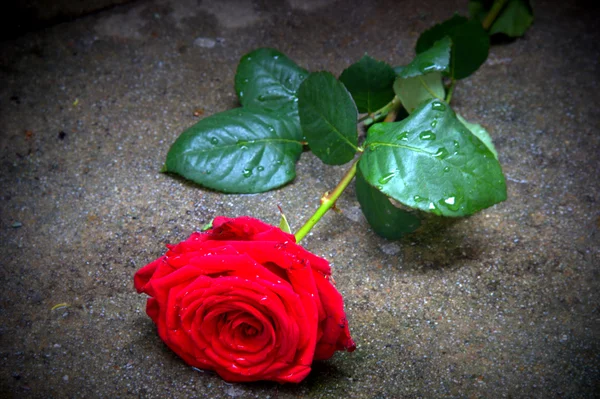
(370, 83)
(480, 133)
(431, 161)
(470, 44)
(266, 79)
(238, 151)
(434, 59)
(413, 91)
(513, 20)
(328, 118)
(386, 220)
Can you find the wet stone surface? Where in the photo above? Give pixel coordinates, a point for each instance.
(502, 304)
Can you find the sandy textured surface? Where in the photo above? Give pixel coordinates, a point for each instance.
(502, 304)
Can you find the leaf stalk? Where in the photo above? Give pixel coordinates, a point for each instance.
(327, 202)
(493, 13)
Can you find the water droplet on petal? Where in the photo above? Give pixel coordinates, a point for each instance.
(438, 106)
(427, 135)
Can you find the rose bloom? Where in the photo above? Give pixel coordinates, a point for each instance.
(243, 299)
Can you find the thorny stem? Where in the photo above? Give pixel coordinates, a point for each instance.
(493, 13)
(327, 202)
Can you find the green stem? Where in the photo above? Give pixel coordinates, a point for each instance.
(383, 111)
(450, 91)
(493, 13)
(327, 202)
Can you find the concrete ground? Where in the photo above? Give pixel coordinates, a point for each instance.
(502, 304)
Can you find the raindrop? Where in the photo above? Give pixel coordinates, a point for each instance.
(214, 140)
(426, 67)
(427, 135)
(275, 57)
(378, 187)
(418, 198)
(387, 177)
(456, 144)
(438, 106)
(452, 203)
(433, 123)
(260, 168)
(249, 59)
(447, 169)
(441, 153)
(402, 136)
(241, 94)
(247, 172)
(270, 128)
(246, 80)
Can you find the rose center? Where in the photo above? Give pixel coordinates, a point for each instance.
(249, 330)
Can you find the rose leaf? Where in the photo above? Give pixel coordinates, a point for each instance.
(481, 134)
(432, 162)
(328, 118)
(267, 79)
(434, 59)
(413, 91)
(386, 220)
(238, 151)
(370, 83)
(470, 44)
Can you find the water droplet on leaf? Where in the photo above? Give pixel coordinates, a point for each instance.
(438, 106)
(260, 168)
(386, 178)
(214, 140)
(402, 136)
(433, 123)
(247, 172)
(427, 135)
(441, 153)
(426, 66)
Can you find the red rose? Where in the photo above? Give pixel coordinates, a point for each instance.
(243, 299)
